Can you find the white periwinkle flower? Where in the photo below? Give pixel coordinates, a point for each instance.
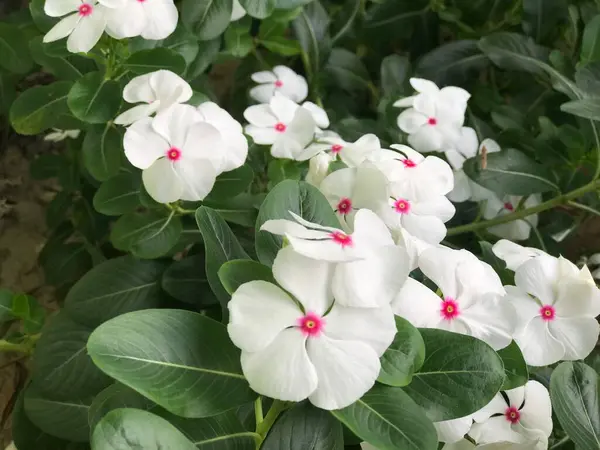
(514, 254)
(557, 305)
(314, 348)
(183, 149)
(238, 11)
(282, 80)
(150, 19)
(540, 443)
(516, 230)
(518, 415)
(318, 168)
(471, 300)
(435, 116)
(353, 154)
(454, 430)
(60, 135)
(156, 91)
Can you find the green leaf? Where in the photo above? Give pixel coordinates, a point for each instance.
(61, 367)
(116, 396)
(64, 262)
(305, 427)
(220, 245)
(151, 60)
(40, 18)
(542, 17)
(453, 63)
(115, 287)
(590, 43)
(8, 92)
(102, 151)
(6, 299)
(14, 49)
(295, 196)
(395, 14)
(39, 108)
(65, 419)
(238, 41)
(235, 273)
(239, 210)
(118, 195)
(229, 184)
(94, 99)
(403, 357)
(206, 18)
(291, 4)
(515, 367)
(147, 235)
(588, 108)
(510, 172)
(181, 41)
(58, 66)
(207, 53)
(394, 73)
(260, 9)
(282, 46)
(128, 428)
(311, 28)
(347, 70)
(180, 360)
(460, 375)
(575, 394)
(588, 79)
(186, 281)
(389, 419)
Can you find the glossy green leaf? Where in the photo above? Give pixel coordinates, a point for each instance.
(590, 43)
(64, 262)
(14, 49)
(115, 287)
(311, 28)
(8, 92)
(58, 66)
(151, 60)
(282, 46)
(102, 151)
(229, 184)
(394, 73)
(43, 21)
(389, 419)
(295, 196)
(460, 375)
(542, 17)
(149, 234)
(305, 427)
(207, 53)
(181, 41)
(116, 396)
(239, 210)
(396, 14)
(186, 281)
(235, 273)
(453, 63)
(238, 41)
(118, 195)
(575, 395)
(260, 9)
(347, 70)
(403, 357)
(290, 4)
(588, 108)
(180, 360)
(94, 99)
(206, 18)
(510, 172)
(515, 367)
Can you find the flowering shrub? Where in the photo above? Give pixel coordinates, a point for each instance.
(356, 244)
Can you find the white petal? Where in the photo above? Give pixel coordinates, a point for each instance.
(440, 178)
(288, 228)
(58, 8)
(237, 12)
(262, 136)
(410, 121)
(294, 85)
(451, 431)
(526, 306)
(139, 90)
(161, 181)
(373, 326)
(197, 177)
(426, 104)
(438, 206)
(282, 370)
(370, 231)
(536, 413)
(490, 145)
(496, 406)
(134, 114)
(204, 141)
(263, 93)
(462, 188)
(346, 371)
(428, 228)
(301, 129)
(518, 230)
(112, 3)
(318, 167)
(169, 87)
(62, 29)
(87, 32)
(579, 335)
(217, 116)
(174, 123)
(355, 154)
(514, 254)
(538, 345)
(283, 108)
(468, 142)
(319, 115)
(460, 445)
(126, 22)
(575, 298)
(258, 312)
(264, 76)
(161, 19)
(455, 159)
(454, 95)
(440, 264)
(537, 277)
(405, 102)
(143, 145)
(309, 281)
(260, 116)
(491, 319)
(425, 86)
(426, 139)
(493, 430)
(418, 304)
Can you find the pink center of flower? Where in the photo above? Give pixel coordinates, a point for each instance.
(345, 240)
(512, 414)
(85, 9)
(336, 148)
(311, 324)
(449, 309)
(402, 206)
(508, 206)
(344, 206)
(278, 83)
(432, 121)
(141, 1)
(174, 154)
(409, 163)
(280, 127)
(547, 312)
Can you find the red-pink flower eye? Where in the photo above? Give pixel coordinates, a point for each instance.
(344, 206)
(174, 154)
(402, 206)
(336, 148)
(280, 127)
(311, 324)
(432, 121)
(512, 414)
(85, 9)
(343, 239)
(547, 312)
(449, 309)
(508, 206)
(408, 163)
(278, 83)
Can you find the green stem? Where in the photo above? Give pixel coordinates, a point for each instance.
(6, 346)
(276, 408)
(560, 443)
(258, 411)
(552, 203)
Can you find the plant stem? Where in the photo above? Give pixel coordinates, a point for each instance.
(556, 201)
(6, 346)
(258, 411)
(276, 408)
(560, 443)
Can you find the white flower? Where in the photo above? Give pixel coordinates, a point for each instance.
(157, 91)
(539, 443)
(435, 115)
(60, 135)
(594, 261)
(283, 124)
(518, 415)
(454, 430)
(371, 268)
(471, 300)
(282, 80)
(514, 254)
(517, 230)
(557, 305)
(151, 19)
(353, 154)
(318, 168)
(84, 27)
(183, 149)
(316, 348)
(238, 11)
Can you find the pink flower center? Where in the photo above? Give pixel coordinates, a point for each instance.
(408, 163)
(174, 154)
(336, 148)
(344, 206)
(311, 324)
(141, 1)
(345, 240)
(278, 83)
(402, 206)
(547, 312)
(449, 309)
(512, 414)
(85, 9)
(432, 121)
(280, 127)
(508, 206)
